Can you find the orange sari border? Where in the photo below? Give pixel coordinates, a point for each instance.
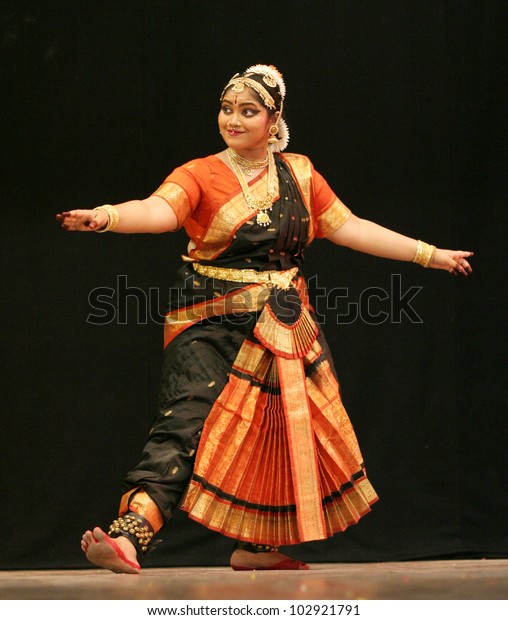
(247, 299)
(226, 221)
(302, 173)
(271, 528)
(137, 500)
(302, 450)
(333, 218)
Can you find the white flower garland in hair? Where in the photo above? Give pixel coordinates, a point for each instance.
(276, 75)
(283, 137)
(273, 72)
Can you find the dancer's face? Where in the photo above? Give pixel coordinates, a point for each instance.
(244, 122)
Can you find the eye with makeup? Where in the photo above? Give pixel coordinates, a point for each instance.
(247, 112)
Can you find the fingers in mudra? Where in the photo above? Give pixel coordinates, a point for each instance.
(454, 262)
(461, 264)
(464, 267)
(79, 220)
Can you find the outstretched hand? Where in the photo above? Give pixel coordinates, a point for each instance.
(454, 261)
(83, 220)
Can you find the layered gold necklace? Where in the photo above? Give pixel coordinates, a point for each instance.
(247, 165)
(264, 204)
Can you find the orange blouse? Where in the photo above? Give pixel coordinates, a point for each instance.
(207, 200)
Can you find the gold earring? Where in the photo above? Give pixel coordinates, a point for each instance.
(273, 131)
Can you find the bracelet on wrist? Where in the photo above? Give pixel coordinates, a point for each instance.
(424, 254)
(113, 218)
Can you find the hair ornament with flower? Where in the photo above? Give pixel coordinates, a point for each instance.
(238, 82)
(272, 78)
(282, 137)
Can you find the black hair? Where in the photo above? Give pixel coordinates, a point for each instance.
(272, 90)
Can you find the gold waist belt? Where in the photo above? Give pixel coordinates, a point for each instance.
(280, 279)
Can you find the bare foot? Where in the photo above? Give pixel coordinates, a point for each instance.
(272, 560)
(115, 554)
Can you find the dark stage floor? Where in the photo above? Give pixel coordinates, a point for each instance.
(433, 580)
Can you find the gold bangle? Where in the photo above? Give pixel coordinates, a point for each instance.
(424, 254)
(113, 217)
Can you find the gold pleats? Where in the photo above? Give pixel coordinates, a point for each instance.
(278, 469)
(287, 341)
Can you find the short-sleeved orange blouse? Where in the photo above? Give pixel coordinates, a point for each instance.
(206, 198)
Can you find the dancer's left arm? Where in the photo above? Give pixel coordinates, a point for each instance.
(371, 238)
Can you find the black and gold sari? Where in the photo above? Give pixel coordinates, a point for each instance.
(251, 438)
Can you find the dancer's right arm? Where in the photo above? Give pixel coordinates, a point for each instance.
(151, 215)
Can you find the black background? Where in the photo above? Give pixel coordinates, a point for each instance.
(400, 105)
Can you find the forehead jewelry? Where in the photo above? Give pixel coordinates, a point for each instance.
(238, 84)
(238, 87)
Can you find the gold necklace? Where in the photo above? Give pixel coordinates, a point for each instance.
(247, 165)
(261, 205)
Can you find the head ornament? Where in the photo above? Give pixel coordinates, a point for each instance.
(271, 78)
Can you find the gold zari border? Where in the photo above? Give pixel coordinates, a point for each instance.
(301, 449)
(249, 299)
(272, 528)
(333, 218)
(177, 199)
(227, 220)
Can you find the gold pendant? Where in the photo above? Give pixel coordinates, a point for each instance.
(263, 219)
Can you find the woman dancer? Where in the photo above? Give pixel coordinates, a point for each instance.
(251, 437)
